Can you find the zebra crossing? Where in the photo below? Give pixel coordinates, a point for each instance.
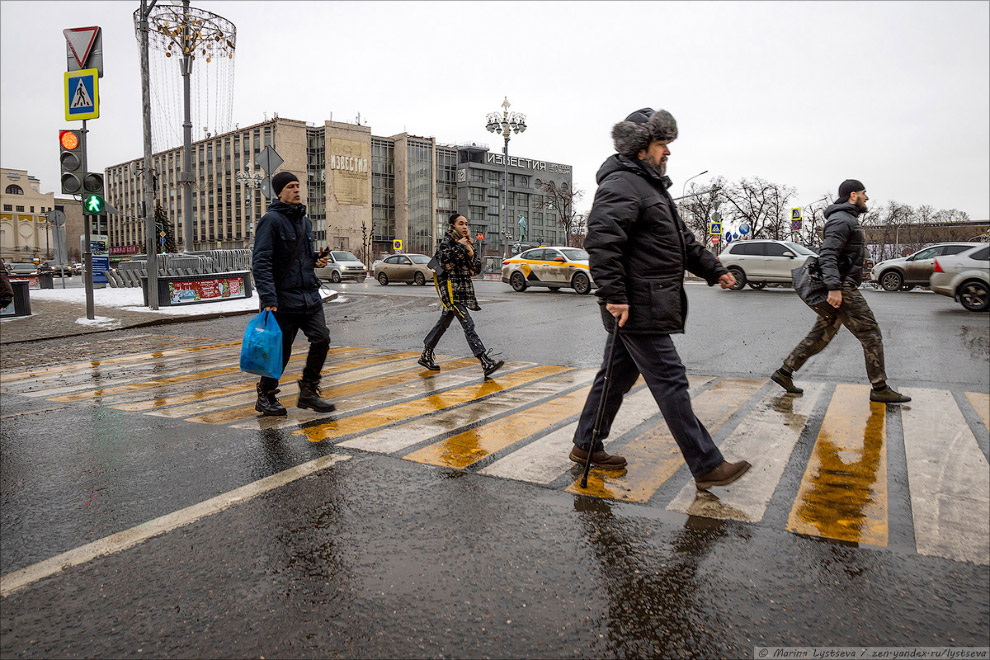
(519, 426)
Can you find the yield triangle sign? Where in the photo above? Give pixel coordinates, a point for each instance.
(81, 42)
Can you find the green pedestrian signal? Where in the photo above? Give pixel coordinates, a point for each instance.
(94, 205)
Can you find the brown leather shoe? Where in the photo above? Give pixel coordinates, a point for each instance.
(600, 458)
(723, 475)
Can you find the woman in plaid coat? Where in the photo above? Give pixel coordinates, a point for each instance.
(456, 263)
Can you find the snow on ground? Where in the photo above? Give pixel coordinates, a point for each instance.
(132, 300)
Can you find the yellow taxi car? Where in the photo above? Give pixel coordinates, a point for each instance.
(553, 267)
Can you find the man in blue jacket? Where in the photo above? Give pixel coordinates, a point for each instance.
(639, 249)
(283, 262)
(842, 259)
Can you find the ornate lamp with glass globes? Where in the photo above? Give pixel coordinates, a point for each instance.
(507, 123)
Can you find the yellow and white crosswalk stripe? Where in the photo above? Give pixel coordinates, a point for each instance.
(654, 456)
(769, 435)
(843, 494)
(949, 479)
(520, 425)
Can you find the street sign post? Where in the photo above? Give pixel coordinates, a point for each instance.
(82, 94)
(269, 161)
(715, 228)
(84, 48)
(397, 245)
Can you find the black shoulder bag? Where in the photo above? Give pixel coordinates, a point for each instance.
(811, 288)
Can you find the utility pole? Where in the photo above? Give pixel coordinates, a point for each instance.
(148, 179)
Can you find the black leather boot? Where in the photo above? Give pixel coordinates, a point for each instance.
(309, 397)
(426, 360)
(488, 364)
(267, 404)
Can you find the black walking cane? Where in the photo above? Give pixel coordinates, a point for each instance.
(601, 406)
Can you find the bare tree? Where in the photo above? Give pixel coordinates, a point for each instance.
(698, 208)
(559, 200)
(813, 221)
(762, 205)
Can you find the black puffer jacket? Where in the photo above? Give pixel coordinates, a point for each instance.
(283, 282)
(639, 249)
(843, 253)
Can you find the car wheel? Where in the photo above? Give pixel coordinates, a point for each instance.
(891, 280)
(360, 280)
(383, 279)
(517, 281)
(757, 285)
(740, 278)
(335, 277)
(420, 279)
(581, 283)
(974, 296)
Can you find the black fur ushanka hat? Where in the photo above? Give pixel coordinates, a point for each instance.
(641, 128)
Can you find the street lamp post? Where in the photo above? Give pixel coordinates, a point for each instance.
(508, 123)
(684, 187)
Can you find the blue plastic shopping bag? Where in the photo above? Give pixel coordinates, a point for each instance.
(261, 352)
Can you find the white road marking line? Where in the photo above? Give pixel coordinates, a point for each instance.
(766, 438)
(948, 478)
(129, 538)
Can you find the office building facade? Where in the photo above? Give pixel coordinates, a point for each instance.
(362, 191)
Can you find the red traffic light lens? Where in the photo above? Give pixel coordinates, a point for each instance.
(68, 139)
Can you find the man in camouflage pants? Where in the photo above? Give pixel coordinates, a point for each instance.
(842, 259)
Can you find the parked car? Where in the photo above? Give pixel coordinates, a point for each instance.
(964, 277)
(408, 268)
(905, 273)
(555, 267)
(22, 269)
(342, 265)
(758, 262)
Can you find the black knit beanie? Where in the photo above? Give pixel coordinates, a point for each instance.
(281, 180)
(848, 187)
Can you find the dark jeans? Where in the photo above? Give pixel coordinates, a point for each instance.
(855, 314)
(314, 327)
(654, 356)
(467, 323)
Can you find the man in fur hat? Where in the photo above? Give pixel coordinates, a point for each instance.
(639, 249)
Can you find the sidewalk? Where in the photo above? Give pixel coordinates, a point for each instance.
(58, 312)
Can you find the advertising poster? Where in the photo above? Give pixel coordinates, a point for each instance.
(206, 290)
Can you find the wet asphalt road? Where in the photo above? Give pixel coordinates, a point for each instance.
(379, 557)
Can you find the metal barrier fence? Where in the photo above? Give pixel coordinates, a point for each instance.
(129, 273)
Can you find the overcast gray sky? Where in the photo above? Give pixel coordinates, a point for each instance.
(896, 94)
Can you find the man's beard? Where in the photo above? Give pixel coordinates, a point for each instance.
(660, 168)
(861, 206)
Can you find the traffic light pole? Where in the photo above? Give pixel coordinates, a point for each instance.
(88, 247)
(150, 235)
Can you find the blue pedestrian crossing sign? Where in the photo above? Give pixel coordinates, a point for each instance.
(82, 94)
(715, 228)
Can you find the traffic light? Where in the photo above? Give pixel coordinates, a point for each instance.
(94, 204)
(72, 146)
(93, 195)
